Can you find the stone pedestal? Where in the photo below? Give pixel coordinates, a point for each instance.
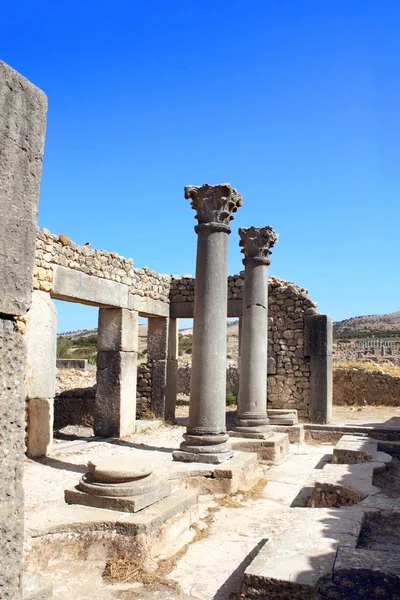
(252, 416)
(206, 439)
(118, 483)
(115, 405)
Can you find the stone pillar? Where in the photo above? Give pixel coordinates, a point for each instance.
(157, 351)
(172, 369)
(41, 337)
(240, 333)
(318, 346)
(117, 342)
(206, 439)
(22, 125)
(252, 416)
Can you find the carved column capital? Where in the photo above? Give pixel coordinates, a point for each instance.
(256, 243)
(214, 204)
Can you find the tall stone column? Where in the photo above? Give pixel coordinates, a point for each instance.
(157, 352)
(206, 439)
(252, 416)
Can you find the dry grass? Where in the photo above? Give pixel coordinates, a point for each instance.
(369, 366)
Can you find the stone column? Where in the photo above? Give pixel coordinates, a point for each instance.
(22, 125)
(172, 370)
(117, 342)
(157, 350)
(252, 419)
(41, 337)
(318, 346)
(206, 439)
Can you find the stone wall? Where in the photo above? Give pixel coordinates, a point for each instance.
(287, 306)
(185, 371)
(360, 387)
(60, 250)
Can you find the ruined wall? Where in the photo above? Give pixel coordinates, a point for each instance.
(54, 250)
(185, 371)
(22, 126)
(288, 303)
(360, 387)
(289, 386)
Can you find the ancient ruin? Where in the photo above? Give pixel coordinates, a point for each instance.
(267, 501)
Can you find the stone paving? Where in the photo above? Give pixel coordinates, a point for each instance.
(211, 567)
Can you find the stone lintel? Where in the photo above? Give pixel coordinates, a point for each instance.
(185, 310)
(148, 307)
(76, 286)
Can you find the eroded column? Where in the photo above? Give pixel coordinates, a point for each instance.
(252, 416)
(115, 405)
(206, 437)
(172, 369)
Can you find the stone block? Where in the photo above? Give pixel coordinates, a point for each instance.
(157, 338)
(115, 405)
(22, 127)
(118, 330)
(40, 426)
(72, 363)
(75, 286)
(36, 587)
(148, 307)
(317, 335)
(41, 338)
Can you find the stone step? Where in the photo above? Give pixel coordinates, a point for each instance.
(352, 449)
(271, 450)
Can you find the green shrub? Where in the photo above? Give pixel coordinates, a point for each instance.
(230, 399)
(63, 346)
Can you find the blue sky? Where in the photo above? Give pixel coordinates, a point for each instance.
(295, 103)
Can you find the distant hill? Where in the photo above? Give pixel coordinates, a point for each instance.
(368, 325)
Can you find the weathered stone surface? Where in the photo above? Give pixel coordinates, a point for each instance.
(157, 338)
(22, 126)
(36, 587)
(115, 469)
(115, 405)
(159, 387)
(358, 387)
(76, 286)
(118, 330)
(321, 389)
(318, 335)
(40, 426)
(12, 394)
(41, 338)
(213, 203)
(148, 307)
(122, 504)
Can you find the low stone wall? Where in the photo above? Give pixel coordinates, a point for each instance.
(184, 374)
(74, 407)
(143, 391)
(60, 250)
(360, 387)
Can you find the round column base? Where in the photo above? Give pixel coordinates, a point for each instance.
(207, 448)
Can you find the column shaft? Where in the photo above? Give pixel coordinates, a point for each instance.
(172, 369)
(252, 400)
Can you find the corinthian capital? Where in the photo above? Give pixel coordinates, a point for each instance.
(257, 242)
(214, 204)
